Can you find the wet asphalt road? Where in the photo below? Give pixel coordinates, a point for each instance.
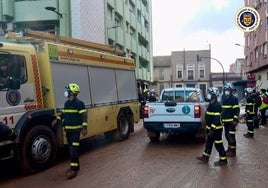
(138, 163)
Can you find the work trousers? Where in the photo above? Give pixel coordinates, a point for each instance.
(73, 139)
(263, 116)
(250, 124)
(229, 130)
(216, 139)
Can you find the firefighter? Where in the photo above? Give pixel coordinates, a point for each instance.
(214, 129)
(152, 96)
(74, 118)
(264, 105)
(230, 116)
(6, 133)
(250, 111)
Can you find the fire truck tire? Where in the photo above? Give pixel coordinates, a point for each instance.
(123, 126)
(38, 149)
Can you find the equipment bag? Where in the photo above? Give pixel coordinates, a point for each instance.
(265, 99)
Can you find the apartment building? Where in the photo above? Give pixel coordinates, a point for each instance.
(125, 24)
(255, 48)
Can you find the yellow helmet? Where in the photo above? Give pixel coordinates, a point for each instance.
(145, 90)
(74, 88)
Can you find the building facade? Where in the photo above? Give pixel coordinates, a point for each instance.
(129, 28)
(125, 24)
(182, 69)
(255, 48)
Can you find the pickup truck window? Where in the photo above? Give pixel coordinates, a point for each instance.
(182, 96)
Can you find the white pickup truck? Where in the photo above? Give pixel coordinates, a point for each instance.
(180, 110)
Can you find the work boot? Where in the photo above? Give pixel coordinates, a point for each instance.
(220, 163)
(203, 158)
(71, 174)
(248, 135)
(230, 152)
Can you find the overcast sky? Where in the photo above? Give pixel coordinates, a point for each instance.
(194, 24)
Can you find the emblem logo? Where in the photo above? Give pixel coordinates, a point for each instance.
(186, 109)
(247, 19)
(13, 97)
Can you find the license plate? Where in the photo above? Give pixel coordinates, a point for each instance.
(171, 125)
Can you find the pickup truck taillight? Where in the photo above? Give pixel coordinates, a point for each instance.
(145, 112)
(197, 111)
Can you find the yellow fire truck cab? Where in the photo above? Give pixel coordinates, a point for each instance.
(32, 94)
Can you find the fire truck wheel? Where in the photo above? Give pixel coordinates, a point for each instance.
(123, 125)
(38, 150)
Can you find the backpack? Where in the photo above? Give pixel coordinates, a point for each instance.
(265, 99)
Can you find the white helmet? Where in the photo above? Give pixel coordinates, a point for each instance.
(214, 90)
(249, 90)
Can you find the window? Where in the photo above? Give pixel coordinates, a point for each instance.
(132, 32)
(202, 73)
(202, 68)
(179, 74)
(182, 96)
(110, 13)
(131, 7)
(161, 74)
(139, 16)
(264, 49)
(127, 27)
(190, 72)
(256, 55)
(179, 69)
(117, 21)
(12, 71)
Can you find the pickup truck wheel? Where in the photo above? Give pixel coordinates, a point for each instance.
(153, 136)
(123, 125)
(38, 149)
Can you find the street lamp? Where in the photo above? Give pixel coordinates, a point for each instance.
(57, 29)
(223, 73)
(53, 9)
